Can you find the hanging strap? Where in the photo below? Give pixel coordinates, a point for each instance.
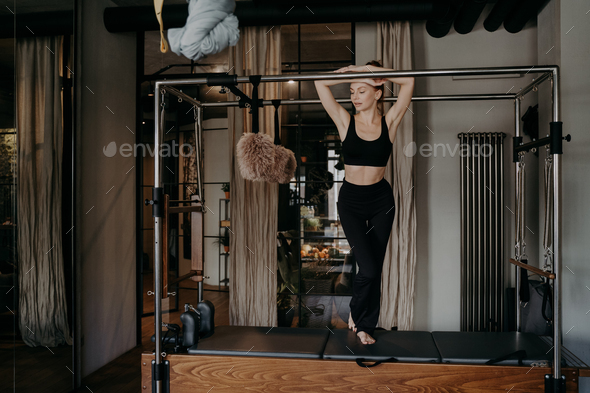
(520, 198)
(198, 150)
(520, 355)
(276, 104)
(360, 361)
(158, 4)
(255, 80)
(548, 230)
(547, 297)
(524, 292)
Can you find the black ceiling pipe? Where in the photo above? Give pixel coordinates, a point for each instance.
(468, 15)
(37, 24)
(520, 15)
(497, 15)
(441, 27)
(142, 18)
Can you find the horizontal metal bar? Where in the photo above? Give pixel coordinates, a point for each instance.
(382, 74)
(460, 97)
(456, 97)
(533, 84)
(182, 95)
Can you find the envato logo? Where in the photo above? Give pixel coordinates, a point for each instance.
(166, 150)
(465, 150)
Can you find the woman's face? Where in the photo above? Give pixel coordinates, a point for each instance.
(363, 95)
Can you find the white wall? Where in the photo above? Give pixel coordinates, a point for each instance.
(563, 38)
(105, 226)
(437, 287)
(571, 39)
(437, 302)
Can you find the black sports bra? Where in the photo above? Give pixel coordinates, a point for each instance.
(358, 151)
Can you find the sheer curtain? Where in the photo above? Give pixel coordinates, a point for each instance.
(254, 205)
(394, 48)
(42, 294)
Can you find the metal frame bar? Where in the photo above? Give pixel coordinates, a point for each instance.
(556, 236)
(164, 86)
(516, 196)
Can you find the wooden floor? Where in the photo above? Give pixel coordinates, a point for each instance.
(124, 373)
(37, 367)
(41, 369)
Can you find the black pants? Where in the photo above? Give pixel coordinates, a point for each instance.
(366, 214)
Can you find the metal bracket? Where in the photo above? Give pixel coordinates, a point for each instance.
(553, 385)
(161, 372)
(554, 140)
(157, 202)
(244, 101)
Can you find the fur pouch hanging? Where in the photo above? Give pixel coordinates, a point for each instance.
(285, 162)
(284, 167)
(289, 168)
(255, 153)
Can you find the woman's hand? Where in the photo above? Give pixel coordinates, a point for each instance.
(370, 81)
(351, 68)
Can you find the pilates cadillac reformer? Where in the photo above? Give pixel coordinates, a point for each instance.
(287, 357)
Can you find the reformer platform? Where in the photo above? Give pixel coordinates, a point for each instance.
(511, 348)
(404, 346)
(263, 341)
(316, 360)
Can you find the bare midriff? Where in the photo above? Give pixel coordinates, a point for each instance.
(363, 175)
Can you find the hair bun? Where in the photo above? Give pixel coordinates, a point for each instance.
(375, 63)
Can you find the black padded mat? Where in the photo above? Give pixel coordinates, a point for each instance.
(480, 347)
(263, 341)
(405, 346)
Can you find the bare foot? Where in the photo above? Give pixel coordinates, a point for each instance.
(351, 324)
(365, 338)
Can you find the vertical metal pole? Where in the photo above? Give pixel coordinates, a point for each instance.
(478, 172)
(157, 238)
(497, 231)
(201, 185)
(495, 253)
(501, 257)
(473, 231)
(485, 245)
(492, 231)
(517, 215)
(463, 232)
(556, 239)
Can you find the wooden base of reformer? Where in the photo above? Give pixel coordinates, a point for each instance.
(221, 374)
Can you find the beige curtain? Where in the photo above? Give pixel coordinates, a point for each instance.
(42, 298)
(394, 48)
(254, 205)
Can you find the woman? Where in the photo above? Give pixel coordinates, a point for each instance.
(365, 201)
